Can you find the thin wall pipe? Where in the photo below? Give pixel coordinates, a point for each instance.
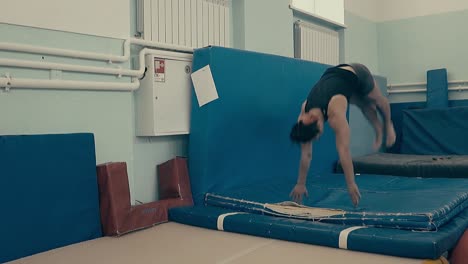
(88, 69)
(423, 83)
(91, 55)
(68, 85)
(461, 88)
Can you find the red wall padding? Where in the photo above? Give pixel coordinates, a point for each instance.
(460, 253)
(118, 216)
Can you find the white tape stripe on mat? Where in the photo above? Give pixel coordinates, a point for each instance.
(221, 219)
(343, 240)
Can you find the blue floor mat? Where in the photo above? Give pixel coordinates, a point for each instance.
(395, 242)
(393, 202)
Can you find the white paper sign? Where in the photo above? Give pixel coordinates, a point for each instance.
(204, 86)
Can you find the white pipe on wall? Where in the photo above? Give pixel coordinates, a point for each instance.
(406, 91)
(457, 82)
(423, 83)
(417, 90)
(8, 83)
(66, 67)
(460, 88)
(75, 85)
(406, 84)
(63, 52)
(91, 55)
(3, 82)
(87, 69)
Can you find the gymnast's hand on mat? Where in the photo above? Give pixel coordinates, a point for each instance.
(297, 192)
(353, 191)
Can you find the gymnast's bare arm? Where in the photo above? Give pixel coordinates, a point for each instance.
(300, 188)
(337, 120)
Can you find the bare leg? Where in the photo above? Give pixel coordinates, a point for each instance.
(382, 103)
(370, 112)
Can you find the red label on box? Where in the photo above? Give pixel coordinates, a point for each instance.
(159, 70)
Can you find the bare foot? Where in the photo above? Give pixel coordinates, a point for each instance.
(391, 136)
(378, 141)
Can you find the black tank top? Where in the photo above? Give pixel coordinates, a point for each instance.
(333, 82)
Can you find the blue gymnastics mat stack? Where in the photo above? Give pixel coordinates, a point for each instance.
(49, 193)
(242, 167)
(438, 131)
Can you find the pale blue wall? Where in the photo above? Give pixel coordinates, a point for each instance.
(400, 50)
(263, 26)
(238, 24)
(404, 50)
(109, 115)
(106, 114)
(273, 33)
(410, 47)
(148, 152)
(269, 27)
(360, 45)
(360, 39)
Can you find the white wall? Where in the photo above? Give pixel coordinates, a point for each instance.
(329, 9)
(108, 115)
(386, 10)
(108, 18)
(401, 9)
(364, 8)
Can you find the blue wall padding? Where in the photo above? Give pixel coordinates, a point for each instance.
(396, 242)
(49, 193)
(391, 202)
(397, 110)
(243, 137)
(437, 88)
(440, 131)
(397, 118)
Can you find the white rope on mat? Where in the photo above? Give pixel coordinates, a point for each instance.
(221, 219)
(343, 240)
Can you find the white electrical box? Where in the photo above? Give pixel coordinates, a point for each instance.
(163, 100)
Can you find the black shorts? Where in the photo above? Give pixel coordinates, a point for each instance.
(339, 79)
(365, 79)
(333, 82)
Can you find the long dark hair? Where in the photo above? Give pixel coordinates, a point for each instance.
(301, 133)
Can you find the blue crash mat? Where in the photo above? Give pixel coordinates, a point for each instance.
(395, 242)
(242, 138)
(49, 193)
(392, 202)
